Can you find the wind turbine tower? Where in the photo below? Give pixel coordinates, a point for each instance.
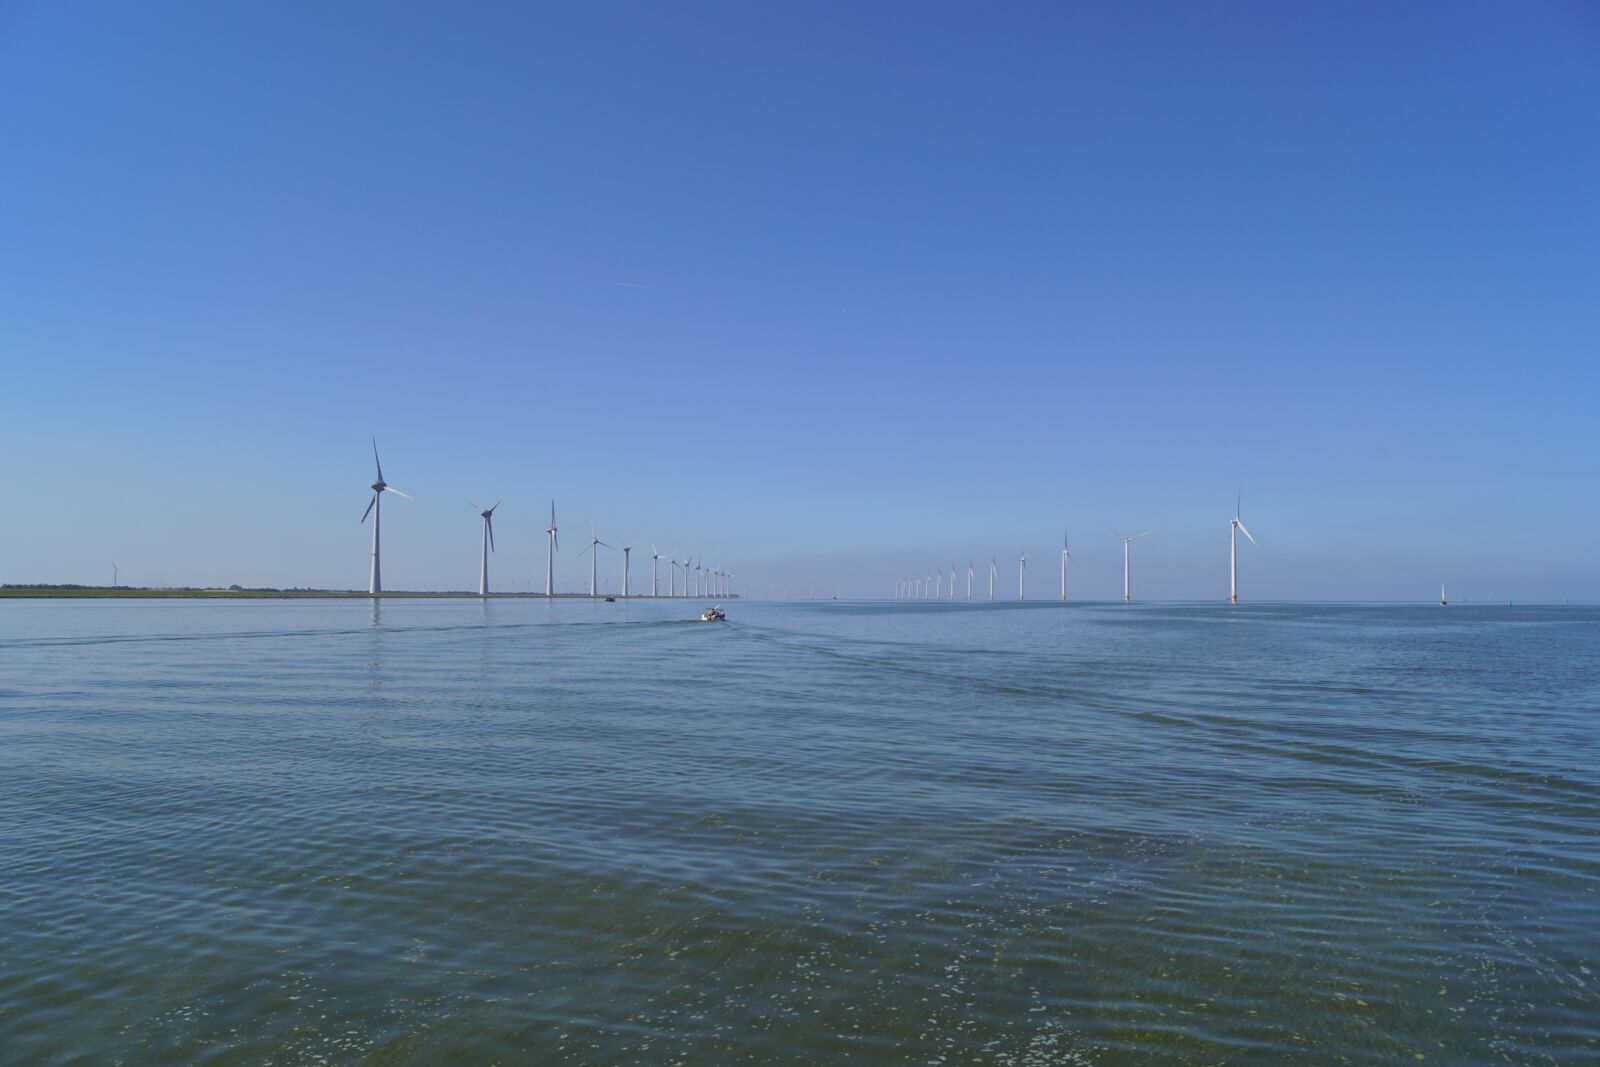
(594, 569)
(375, 509)
(116, 570)
(1022, 574)
(655, 572)
(1065, 555)
(991, 579)
(1235, 526)
(488, 544)
(550, 556)
(1127, 592)
(626, 549)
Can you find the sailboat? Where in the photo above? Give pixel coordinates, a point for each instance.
(1442, 600)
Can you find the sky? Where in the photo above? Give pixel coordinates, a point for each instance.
(825, 294)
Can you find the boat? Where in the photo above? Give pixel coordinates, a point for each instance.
(713, 615)
(611, 600)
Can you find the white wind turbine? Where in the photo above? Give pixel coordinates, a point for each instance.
(655, 572)
(550, 557)
(375, 509)
(991, 578)
(1022, 573)
(626, 549)
(1065, 555)
(116, 570)
(952, 581)
(594, 570)
(488, 543)
(969, 579)
(1127, 593)
(1235, 527)
(938, 586)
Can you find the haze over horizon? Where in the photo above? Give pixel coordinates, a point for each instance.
(828, 296)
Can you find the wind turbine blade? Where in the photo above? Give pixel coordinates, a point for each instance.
(378, 462)
(1110, 527)
(497, 503)
(1246, 532)
(1136, 537)
(370, 504)
(392, 489)
(585, 551)
(473, 506)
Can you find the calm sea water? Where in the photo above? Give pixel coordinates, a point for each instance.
(448, 831)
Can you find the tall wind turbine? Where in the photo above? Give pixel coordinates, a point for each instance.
(969, 579)
(626, 549)
(952, 581)
(1022, 574)
(594, 570)
(655, 572)
(991, 578)
(488, 543)
(116, 570)
(1065, 555)
(375, 509)
(1127, 593)
(550, 558)
(1235, 525)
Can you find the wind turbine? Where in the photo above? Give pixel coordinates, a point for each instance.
(116, 570)
(938, 586)
(594, 540)
(1235, 525)
(1126, 541)
(375, 509)
(991, 578)
(1065, 555)
(969, 579)
(655, 572)
(1022, 574)
(488, 543)
(952, 581)
(625, 550)
(550, 558)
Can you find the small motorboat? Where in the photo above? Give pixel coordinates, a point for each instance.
(713, 615)
(611, 600)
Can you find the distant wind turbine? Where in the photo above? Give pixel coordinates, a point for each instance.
(1065, 555)
(1235, 527)
(655, 572)
(1127, 593)
(1022, 573)
(626, 549)
(991, 578)
(488, 543)
(550, 557)
(969, 580)
(115, 570)
(375, 509)
(952, 581)
(594, 570)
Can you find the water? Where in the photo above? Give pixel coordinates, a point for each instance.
(443, 831)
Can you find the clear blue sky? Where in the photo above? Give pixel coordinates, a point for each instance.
(826, 293)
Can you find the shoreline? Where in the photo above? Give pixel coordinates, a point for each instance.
(47, 593)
